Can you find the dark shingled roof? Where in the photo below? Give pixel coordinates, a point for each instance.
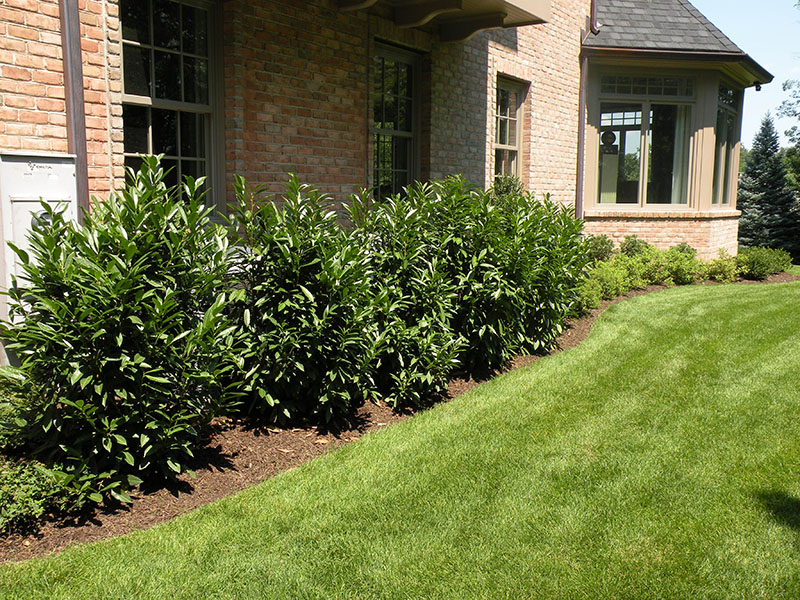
(657, 25)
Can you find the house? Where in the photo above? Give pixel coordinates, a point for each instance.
(631, 111)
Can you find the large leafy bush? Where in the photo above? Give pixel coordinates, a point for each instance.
(302, 307)
(759, 263)
(515, 263)
(415, 300)
(118, 324)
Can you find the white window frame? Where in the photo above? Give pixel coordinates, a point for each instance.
(512, 87)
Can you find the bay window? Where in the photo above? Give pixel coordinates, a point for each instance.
(645, 134)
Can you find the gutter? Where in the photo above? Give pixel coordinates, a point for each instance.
(758, 74)
(594, 29)
(73, 94)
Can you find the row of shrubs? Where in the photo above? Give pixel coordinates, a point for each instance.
(140, 326)
(637, 264)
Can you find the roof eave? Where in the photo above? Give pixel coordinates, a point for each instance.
(748, 69)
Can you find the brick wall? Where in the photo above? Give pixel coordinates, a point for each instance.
(706, 232)
(545, 58)
(32, 104)
(32, 110)
(295, 94)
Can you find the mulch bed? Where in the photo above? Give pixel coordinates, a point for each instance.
(238, 457)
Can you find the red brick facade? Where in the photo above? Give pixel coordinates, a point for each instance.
(296, 92)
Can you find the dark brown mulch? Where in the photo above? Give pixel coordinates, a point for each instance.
(238, 457)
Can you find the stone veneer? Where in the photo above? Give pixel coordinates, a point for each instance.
(707, 232)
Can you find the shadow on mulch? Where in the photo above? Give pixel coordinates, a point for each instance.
(238, 456)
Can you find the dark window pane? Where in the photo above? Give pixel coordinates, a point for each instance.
(165, 132)
(404, 117)
(401, 154)
(390, 113)
(168, 75)
(193, 168)
(135, 127)
(171, 172)
(135, 18)
(193, 139)
(195, 77)
(404, 80)
(502, 131)
(136, 64)
(389, 77)
(401, 180)
(195, 28)
(166, 24)
(503, 102)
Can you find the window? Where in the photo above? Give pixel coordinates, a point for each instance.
(395, 122)
(167, 84)
(725, 131)
(645, 142)
(508, 120)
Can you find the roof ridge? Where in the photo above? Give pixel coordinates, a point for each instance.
(707, 24)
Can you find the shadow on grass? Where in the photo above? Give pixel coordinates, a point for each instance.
(782, 507)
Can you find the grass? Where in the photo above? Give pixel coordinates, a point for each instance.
(794, 270)
(659, 459)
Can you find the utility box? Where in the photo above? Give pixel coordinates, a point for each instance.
(26, 180)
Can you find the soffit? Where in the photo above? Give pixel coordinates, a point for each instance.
(457, 20)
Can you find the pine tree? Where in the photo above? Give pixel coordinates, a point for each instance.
(770, 210)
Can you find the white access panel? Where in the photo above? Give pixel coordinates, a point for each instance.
(25, 180)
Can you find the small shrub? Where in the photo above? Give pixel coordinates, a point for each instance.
(611, 279)
(633, 245)
(118, 326)
(722, 269)
(304, 318)
(28, 492)
(682, 266)
(598, 248)
(684, 248)
(647, 267)
(760, 263)
(590, 293)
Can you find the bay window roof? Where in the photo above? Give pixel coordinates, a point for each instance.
(668, 29)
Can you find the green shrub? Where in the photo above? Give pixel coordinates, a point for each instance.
(118, 326)
(415, 300)
(590, 293)
(760, 263)
(722, 269)
(28, 492)
(633, 245)
(598, 248)
(611, 278)
(516, 263)
(682, 265)
(302, 307)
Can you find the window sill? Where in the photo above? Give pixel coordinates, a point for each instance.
(649, 213)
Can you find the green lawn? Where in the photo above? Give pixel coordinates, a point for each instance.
(794, 270)
(659, 459)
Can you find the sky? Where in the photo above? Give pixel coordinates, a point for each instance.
(769, 31)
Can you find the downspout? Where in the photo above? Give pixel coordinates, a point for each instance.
(594, 29)
(73, 94)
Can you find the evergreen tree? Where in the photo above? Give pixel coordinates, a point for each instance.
(770, 210)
